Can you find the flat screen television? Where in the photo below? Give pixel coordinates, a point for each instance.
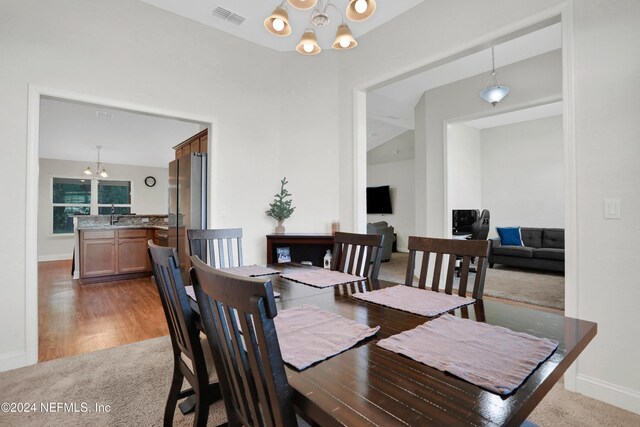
(462, 220)
(378, 200)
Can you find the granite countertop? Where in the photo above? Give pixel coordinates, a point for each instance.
(123, 226)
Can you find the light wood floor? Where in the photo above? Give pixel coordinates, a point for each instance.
(75, 319)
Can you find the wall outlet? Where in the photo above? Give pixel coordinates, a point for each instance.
(145, 220)
(612, 208)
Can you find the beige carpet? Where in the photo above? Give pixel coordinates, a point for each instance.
(545, 289)
(134, 380)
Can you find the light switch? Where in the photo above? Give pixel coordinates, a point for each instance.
(612, 208)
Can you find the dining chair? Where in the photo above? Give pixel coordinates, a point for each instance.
(358, 254)
(192, 359)
(237, 314)
(465, 249)
(212, 245)
(479, 231)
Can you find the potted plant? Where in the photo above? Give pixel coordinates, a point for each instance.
(280, 208)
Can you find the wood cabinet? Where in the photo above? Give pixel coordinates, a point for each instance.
(302, 247)
(198, 143)
(114, 254)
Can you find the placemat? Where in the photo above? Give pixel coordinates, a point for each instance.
(192, 293)
(414, 300)
(250, 270)
(321, 277)
(308, 334)
(492, 357)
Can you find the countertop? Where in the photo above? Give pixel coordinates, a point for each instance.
(121, 227)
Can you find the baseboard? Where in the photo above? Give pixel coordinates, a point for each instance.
(12, 360)
(612, 394)
(55, 257)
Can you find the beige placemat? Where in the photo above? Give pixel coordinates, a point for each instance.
(492, 357)
(321, 277)
(308, 334)
(414, 300)
(192, 293)
(250, 270)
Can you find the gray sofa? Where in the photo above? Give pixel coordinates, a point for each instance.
(387, 231)
(543, 249)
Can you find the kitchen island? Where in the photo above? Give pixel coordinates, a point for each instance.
(108, 249)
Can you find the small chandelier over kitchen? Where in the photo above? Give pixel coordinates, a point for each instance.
(103, 173)
(357, 11)
(494, 94)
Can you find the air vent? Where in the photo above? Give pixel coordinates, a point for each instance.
(227, 15)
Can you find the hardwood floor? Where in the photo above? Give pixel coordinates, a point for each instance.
(75, 319)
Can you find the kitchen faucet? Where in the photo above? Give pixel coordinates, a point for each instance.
(113, 212)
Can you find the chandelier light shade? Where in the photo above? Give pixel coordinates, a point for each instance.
(309, 43)
(103, 173)
(278, 23)
(360, 10)
(303, 4)
(344, 39)
(495, 92)
(357, 10)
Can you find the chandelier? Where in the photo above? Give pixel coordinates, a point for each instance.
(357, 11)
(103, 173)
(494, 94)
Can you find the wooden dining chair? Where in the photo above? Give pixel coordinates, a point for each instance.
(192, 358)
(358, 254)
(212, 245)
(237, 314)
(454, 249)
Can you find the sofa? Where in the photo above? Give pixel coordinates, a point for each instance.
(543, 249)
(387, 232)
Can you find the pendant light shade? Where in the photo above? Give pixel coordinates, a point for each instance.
(103, 173)
(308, 43)
(302, 4)
(278, 22)
(496, 92)
(344, 39)
(360, 10)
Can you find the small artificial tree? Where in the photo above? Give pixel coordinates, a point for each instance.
(280, 208)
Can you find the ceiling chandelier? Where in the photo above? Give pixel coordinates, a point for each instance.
(494, 94)
(357, 11)
(103, 173)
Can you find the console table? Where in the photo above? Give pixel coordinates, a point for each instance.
(303, 247)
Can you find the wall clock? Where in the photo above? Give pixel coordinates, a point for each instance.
(150, 181)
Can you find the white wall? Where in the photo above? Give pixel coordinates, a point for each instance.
(464, 170)
(606, 129)
(399, 176)
(523, 174)
(145, 200)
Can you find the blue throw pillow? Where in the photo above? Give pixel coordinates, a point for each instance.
(510, 236)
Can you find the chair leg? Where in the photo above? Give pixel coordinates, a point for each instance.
(174, 394)
(202, 412)
(188, 405)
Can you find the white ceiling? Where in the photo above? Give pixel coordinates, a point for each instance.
(390, 108)
(71, 131)
(256, 11)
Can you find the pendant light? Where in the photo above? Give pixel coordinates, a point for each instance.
(494, 94)
(344, 39)
(360, 10)
(308, 43)
(278, 23)
(103, 173)
(303, 4)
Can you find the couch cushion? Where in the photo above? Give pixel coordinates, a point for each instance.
(381, 224)
(549, 253)
(553, 238)
(519, 251)
(510, 236)
(531, 237)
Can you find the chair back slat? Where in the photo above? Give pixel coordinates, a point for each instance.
(181, 321)
(216, 247)
(358, 254)
(237, 314)
(453, 249)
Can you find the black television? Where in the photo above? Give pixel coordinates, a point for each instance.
(378, 200)
(462, 220)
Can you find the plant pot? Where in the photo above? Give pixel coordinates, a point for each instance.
(280, 228)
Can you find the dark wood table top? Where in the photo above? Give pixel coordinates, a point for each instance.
(368, 385)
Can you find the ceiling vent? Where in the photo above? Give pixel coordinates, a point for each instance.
(227, 15)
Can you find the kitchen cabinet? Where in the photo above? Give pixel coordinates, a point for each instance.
(198, 143)
(114, 254)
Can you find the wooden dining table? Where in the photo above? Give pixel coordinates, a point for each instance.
(368, 385)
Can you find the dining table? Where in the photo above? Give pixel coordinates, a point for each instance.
(369, 385)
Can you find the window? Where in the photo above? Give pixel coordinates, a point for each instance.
(76, 196)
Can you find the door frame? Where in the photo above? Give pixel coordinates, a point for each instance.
(35, 94)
